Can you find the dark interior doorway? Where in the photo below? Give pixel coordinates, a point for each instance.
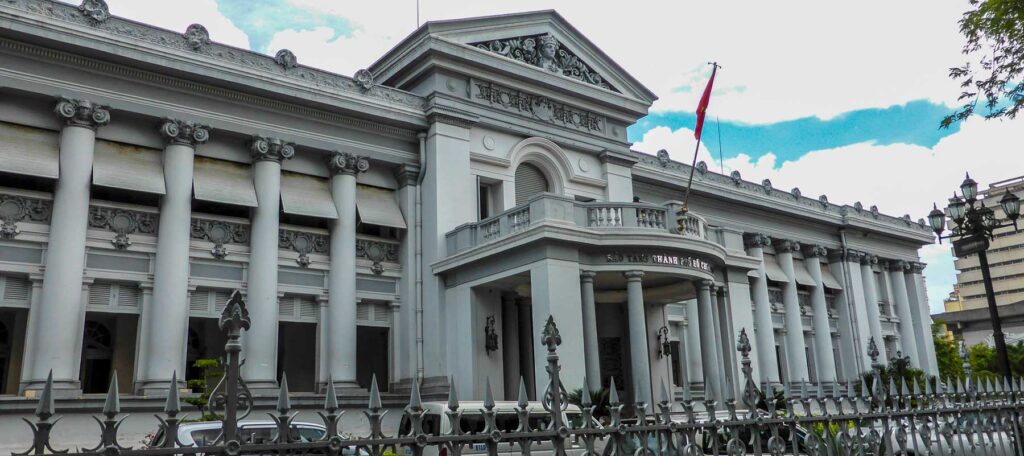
(372, 356)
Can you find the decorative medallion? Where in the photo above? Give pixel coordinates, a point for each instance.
(796, 193)
(663, 158)
(377, 252)
(123, 222)
(736, 178)
(219, 233)
(488, 142)
(858, 206)
(874, 211)
(197, 37)
(702, 167)
(286, 59)
(583, 164)
(303, 243)
(96, 10)
(767, 186)
(14, 209)
(823, 199)
(546, 52)
(364, 79)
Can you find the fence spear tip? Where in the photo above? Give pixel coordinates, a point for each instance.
(374, 394)
(613, 393)
(112, 406)
(331, 397)
(585, 394)
(453, 397)
(523, 401)
(664, 392)
(488, 396)
(284, 403)
(173, 405)
(415, 403)
(45, 408)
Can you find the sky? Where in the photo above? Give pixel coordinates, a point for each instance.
(842, 99)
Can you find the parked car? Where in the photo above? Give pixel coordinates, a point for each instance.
(436, 423)
(204, 433)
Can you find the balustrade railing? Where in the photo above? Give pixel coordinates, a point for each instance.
(566, 211)
(876, 416)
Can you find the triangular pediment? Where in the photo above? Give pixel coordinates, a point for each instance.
(543, 44)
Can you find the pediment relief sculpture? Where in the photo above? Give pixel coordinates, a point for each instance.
(545, 51)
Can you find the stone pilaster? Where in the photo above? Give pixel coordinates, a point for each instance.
(908, 339)
(764, 332)
(826, 363)
(795, 343)
(867, 273)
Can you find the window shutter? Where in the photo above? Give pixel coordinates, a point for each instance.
(380, 313)
(286, 306)
(128, 295)
(99, 294)
(363, 312)
(199, 301)
(16, 288)
(308, 308)
(529, 181)
(221, 298)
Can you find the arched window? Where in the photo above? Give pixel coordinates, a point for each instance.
(529, 181)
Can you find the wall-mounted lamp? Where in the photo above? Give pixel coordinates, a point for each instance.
(490, 336)
(666, 345)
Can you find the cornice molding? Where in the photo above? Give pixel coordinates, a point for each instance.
(127, 72)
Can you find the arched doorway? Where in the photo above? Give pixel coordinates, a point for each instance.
(530, 180)
(97, 357)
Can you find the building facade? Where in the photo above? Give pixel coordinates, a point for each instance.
(968, 317)
(419, 220)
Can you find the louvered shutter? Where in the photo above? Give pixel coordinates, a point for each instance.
(529, 181)
(286, 306)
(199, 302)
(363, 311)
(128, 296)
(308, 309)
(15, 290)
(99, 294)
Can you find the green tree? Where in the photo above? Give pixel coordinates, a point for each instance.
(983, 360)
(994, 30)
(947, 353)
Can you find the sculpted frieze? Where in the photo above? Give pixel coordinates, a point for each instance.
(535, 106)
(123, 222)
(546, 52)
(219, 233)
(14, 209)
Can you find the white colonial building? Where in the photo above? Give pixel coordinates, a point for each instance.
(421, 219)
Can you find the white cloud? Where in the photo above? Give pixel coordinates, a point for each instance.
(899, 178)
(180, 15)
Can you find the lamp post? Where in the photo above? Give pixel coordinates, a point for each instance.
(975, 226)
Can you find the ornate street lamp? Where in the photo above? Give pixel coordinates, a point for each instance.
(973, 227)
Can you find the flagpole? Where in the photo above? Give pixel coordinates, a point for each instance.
(693, 164)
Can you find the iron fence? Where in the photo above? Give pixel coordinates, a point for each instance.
(954, 416)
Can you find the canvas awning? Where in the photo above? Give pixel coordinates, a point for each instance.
(302, 194)
(377, 206)
(29, 151)
(773, 270)
(828, 279)
(802, 276)
(127, 167)
(222, 181)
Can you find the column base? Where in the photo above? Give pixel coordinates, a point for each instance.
(262, 387)
(62, 389)
(159, 388)
(344, 388)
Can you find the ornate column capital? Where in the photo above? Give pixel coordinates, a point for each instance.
(843, 255)
(407, 174)
(756, 240)
(917, 267)
(82, 113)
(815, 251)
(786, 246)
(868, 259)
(896, 266)
(184, 132)
(346, 163)
(274, 149)
(588, 276)
(633, 276)
(705, 285)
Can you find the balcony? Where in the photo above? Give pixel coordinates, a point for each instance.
(562, 211)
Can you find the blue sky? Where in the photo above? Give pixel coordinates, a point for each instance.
(834, 98)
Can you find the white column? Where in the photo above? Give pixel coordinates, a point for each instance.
(694, 362)
(721, 339)
(740, 312)
(260, 369)
(822, 333)
(341, 279)
(764, 331)
(393, 332)
(852, 315)
(555, 294)
(164, 323)
(899, 292)
(795, 343)
(918, 295)
(637, 318)
(54, 329)
(590, 351)
(867, 274)
(708, 344)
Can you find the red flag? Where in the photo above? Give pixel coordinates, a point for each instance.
(702, 108)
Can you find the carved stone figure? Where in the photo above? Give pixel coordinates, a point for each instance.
(545, 51)
(286, 59)
(663, 158)
(96, 10)
(197, 36)
(548, 58)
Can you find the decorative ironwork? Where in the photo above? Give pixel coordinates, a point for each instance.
(123, 222)
(220, 233)
(14, 209)
(544, 51)
(931, 417)
(303, 243)
(377, 252)
(96, 10)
